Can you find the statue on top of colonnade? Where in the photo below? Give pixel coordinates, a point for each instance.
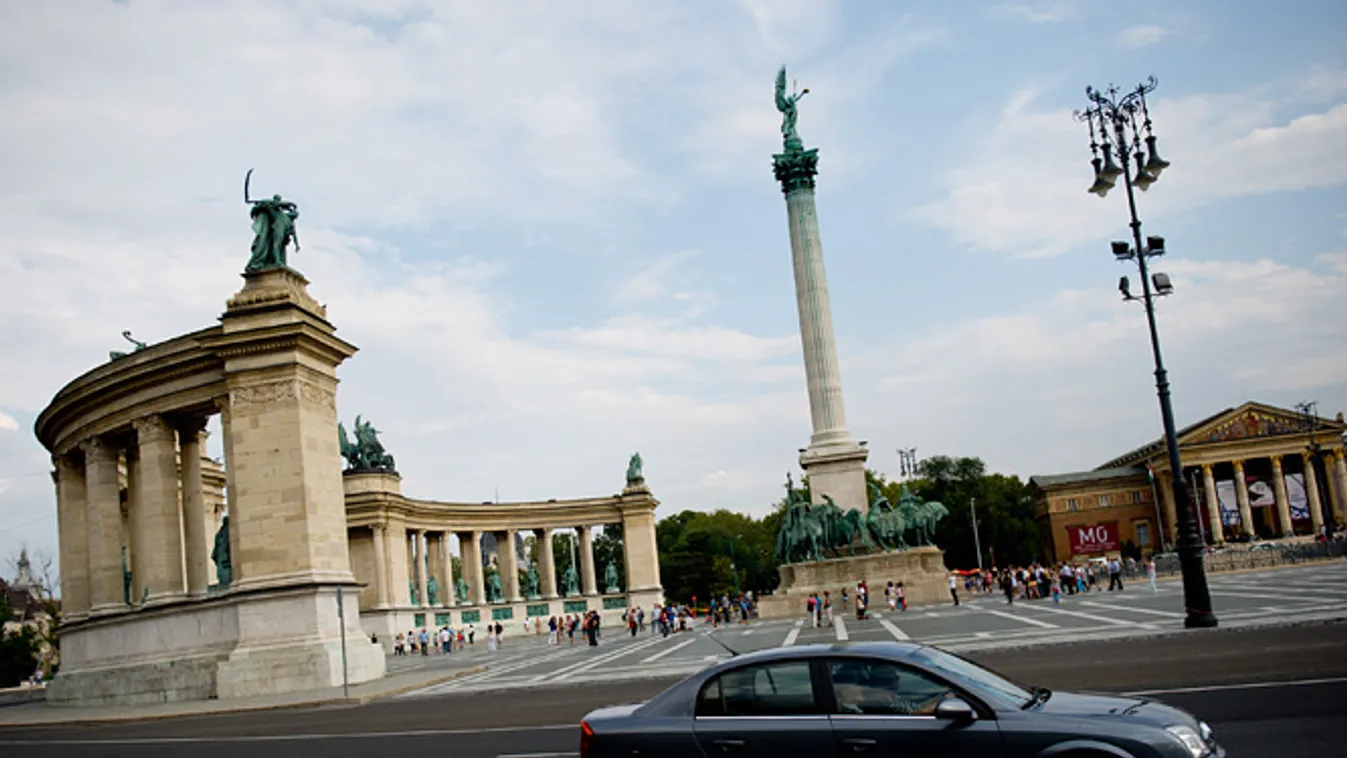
(366, 453)
(273, 229)
(634, 473)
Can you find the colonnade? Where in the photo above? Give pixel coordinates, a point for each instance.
(164, 534)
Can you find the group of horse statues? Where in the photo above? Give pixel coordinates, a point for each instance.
(815, 532)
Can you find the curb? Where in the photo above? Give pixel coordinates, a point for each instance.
(241, 708)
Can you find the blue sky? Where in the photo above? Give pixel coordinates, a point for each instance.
(555, 235)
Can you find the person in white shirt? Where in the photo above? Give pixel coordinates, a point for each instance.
(954, 588)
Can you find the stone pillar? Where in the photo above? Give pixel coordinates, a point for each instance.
(73, 529)
(476, 576)
(399, 592)
(1312, 493)
(422, 568)
(547, 564)
(104, 520)
(231, 489)
(1335, 494)
(508, 566)
(834, 463)
(196, 532)
(1340, 476)
(380, 565)
(639, 551)
(1213, 503)
(1164, 485)
(1242, 498)
(136, 538)
(446, 572)
(1279, 490)
(587, 584)
(157, 514)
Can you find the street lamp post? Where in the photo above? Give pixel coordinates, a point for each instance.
(907, 462)
(1121, 123)
(734, 567)
(1309, 417)
(973, 513)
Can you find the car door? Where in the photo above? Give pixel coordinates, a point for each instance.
(764, 710)
(883, 708)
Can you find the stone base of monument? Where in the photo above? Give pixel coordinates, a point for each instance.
(226, 646)
(921, 570)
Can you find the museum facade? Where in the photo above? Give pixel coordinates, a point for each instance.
(1253, 472)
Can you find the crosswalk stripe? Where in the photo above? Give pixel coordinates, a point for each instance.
(1090, 616)
(1125, 609)
(665, 652)
(898, 634)
(1024, 619)
(841, 626)
(792, 635)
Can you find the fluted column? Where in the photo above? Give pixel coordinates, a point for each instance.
(547, 564)
(1213, 504)
(508, 565)
(73, 529)
(587, 584)
(1164, 485)
(1340, 474)
(1335, 492)
(380, 565)
(472, 567)
(1242, 498)
(104, 520)
(447, 593)
(419, 555)
(195, 530)
(1283, 503)
(1312, 493)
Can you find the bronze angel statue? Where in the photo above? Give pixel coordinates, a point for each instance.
(786, 104)
(273, 229)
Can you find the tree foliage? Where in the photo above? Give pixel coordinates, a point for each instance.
(18, 648)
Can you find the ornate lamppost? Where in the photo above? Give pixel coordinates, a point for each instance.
(1119, 124)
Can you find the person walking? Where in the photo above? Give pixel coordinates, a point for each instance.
(1114, 575)
(954, 587)
(1150, 573)
(901, 594)
(828, 607)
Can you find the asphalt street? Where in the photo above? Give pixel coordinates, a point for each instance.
(1271, 691)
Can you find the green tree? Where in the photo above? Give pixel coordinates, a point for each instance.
(18, 648)
(1007, 530)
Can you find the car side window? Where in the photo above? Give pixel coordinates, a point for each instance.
(884, 688)
(774, 689)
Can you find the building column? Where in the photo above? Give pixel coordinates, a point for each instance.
(395, 534)
(640, 553)
(1164, 484)
(136, 538)
(380, 565)
(587, 584)
(195, 531)
(547, 564)
(447, 594)
(422, 567)
(72, 529)
(1283, 503)
(472, 567)
(1312, 493)
(1335, 495)
(1242, 499)
(1213, 504)
(1339, 476)
(104, 519)
(508, 566)
(155, 515)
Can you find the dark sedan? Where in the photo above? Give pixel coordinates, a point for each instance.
(884, 699)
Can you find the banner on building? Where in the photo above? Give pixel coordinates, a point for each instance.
(1225, 495)
(1262, 495)
(1096, 538)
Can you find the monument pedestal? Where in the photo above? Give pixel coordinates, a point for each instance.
(921, 570)
(839, 472)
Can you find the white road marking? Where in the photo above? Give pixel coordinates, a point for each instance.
(1125, 609)
(663, 653)
(590, 663)
(1241, 686)
(287, 737)
(898, 634)
(1034, 622)
(747, 632)
(536, 755)
(792, 634)
(1092, 617)
(841, 625)
(711, 658)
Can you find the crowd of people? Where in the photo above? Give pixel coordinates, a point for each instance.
(1039, 581)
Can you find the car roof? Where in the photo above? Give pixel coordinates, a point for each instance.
(891, 649)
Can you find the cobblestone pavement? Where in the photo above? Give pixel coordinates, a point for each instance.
(980, 622)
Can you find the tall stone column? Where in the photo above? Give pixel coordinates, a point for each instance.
(1312, 493)
(422, 569)
(1242, 498)
(1340, 475)
(158, 552)
(1335, 491)
(447, 593)
(1162, 486)
(547, 564)
(104, 519)
(1283, 503)
(380, 565)
(640, 553)
(1213, 503)
(73, 529)
(195, 530)
(508, 565)
(833, 462)
(472, 566)
(587, 584)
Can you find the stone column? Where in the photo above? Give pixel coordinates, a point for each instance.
(1279, 490)
(446, 572)
(640, 552)
(158, 554)
(1213, 503)
(587, 584)
(231, 490)
(1312, 493)
(195, 531)
(508, 565)
(1165, 486)
(1242, 498)
(471, 550)
(1335, 495)
(136, 538)
(547, 564)
(104, 519)
(1340, 476)
(73, 529)
(422, 569)
(380, 565)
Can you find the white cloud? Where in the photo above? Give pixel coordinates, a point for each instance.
(1145, 35)
(1038, 11)
(8, 423)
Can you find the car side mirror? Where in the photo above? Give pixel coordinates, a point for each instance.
(956, 710)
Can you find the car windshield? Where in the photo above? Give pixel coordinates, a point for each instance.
(969, 674)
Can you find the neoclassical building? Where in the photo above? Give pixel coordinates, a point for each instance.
(1255, 470)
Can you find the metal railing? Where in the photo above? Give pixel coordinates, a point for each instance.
(1254, 558)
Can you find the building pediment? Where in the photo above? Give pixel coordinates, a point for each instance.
(1248, 421)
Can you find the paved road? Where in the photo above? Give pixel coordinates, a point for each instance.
(1235, 679)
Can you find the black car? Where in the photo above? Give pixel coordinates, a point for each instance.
(884, 699)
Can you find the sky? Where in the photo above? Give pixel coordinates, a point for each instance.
(553, 230)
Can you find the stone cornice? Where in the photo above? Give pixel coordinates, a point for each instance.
(367, 508)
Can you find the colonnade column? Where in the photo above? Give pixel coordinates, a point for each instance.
(194, 527)
(104, 521)
(587, 583)
(1279, 491)
(1242, 498)
(507, 564)
(447, 594)
(158, 554)
(547, 564)
(395, 539)
(380, 566)
(1213, 503)
(472, 567)
(136, 539)
(1335, 493)
(422, 568)
(1340, 476)
(72, 525)
(1164, 485)
(1312, 493)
